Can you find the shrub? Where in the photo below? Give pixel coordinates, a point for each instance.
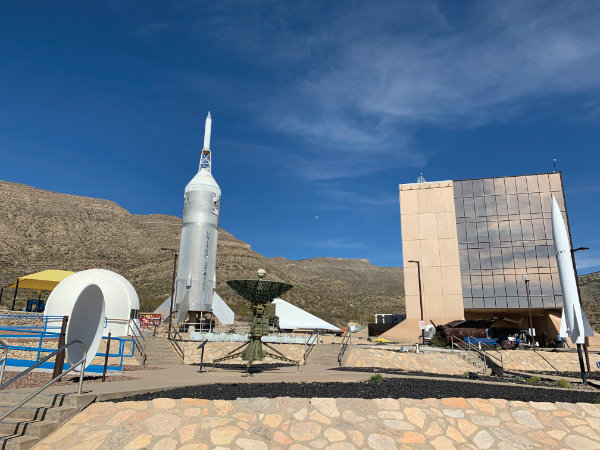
(438, 342)
(533, 380)
(597, 400)
(563, 383)
(377, 378)
(466, 374)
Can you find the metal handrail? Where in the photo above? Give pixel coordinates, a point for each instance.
(138, 339)
(345, 341)
(56, 378)
(308, 345)
(470, 347)
(175, 333)
(4, 358)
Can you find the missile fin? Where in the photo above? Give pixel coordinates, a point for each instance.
(588, 330)
(563, 326)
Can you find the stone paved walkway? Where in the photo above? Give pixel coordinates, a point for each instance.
(325, 423)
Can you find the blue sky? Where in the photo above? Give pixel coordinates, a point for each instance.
(320, 109)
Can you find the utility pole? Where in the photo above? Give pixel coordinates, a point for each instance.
(531, 333)
(175, 255)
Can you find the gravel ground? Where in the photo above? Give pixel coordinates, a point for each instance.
(506, 378)
(38, 379)
(388, 388)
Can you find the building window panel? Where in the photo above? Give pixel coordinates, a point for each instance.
(543, 259)
(499, 188)
(496, 258)
(464, 259)
(523, 200)
(482, 232)
(555, 182)
(513, 302)
(539, 230)
(471, 232)
(461, 232)
(469, 207)
(508, 258)
(521, 183)
(510, 284)
(501, 302)
(515, 231)
(499, 285)
(478, 303)
(513, 205)
(485, 258)
(530, 257)
(490, 207)
(501, 205)
(521, 290)
(535, 203)
(479, 207)
(457, 187)
(493, 232)
(476, 286)
(467, 188)
(466, 285)
(511, 186)
(532, 183)
(488, 186)
(527, 230)
(519, 257)
(459, 207)
(546, 284)
(504, 230)
(474, 259)
(478, 188)
(543, 182)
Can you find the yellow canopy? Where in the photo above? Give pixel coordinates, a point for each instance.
(45, 280)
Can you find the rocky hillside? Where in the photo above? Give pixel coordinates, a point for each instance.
(41, 230)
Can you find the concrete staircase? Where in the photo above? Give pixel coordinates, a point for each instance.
(324, 355)
(160, 352)
(476, 360)
(38, 418)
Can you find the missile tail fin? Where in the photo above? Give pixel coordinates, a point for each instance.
(588, 330)
(563, 326)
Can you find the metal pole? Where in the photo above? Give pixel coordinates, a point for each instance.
(420, 298)
(15, 296)
(581, 366)
(585, 345)
(529, 307)
(172, 293)
(106, 358)
(59, 361)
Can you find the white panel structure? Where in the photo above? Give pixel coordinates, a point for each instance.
(83, 302)
(293, 318)
(574, 322)
(198, 247)
(222, 311)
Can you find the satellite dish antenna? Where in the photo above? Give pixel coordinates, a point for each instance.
(79, 298)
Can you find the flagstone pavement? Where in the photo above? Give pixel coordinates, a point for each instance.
(326, 423)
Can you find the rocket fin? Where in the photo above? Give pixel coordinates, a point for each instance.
(563, 325)
(588, 330)
(221, 310)
(182, 308)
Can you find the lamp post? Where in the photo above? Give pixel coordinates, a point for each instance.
(420, 297)
(175, 254)
(585, 345)
(526, 280)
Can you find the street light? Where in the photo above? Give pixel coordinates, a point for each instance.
(526, 280)
(175, 254)
(420, 298)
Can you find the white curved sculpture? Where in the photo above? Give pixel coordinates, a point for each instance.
(83, 303)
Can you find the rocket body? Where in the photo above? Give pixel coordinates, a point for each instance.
(574, 322)
(195, 282)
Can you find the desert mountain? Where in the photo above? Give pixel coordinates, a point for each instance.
(46, 230)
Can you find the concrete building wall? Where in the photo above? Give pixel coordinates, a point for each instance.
(429, 236)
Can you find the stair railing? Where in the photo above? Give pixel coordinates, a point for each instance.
(345, 341)
(81, 363)
(311, 341)
(175, 339)
(4, 358)
(470, 347)
(139, 341)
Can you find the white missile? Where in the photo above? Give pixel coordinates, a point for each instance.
(194, 285)
(574, 323)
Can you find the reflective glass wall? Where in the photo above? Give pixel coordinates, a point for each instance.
(504, 231)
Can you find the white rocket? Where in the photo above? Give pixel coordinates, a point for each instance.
(196, 278)
(574, 323)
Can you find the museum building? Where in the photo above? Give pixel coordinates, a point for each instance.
(474, 243)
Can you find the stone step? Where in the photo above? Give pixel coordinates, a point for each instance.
(18, 442)
(33, 428)
(33, 412)
(78, 401)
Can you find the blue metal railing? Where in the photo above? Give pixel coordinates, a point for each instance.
(47, 329)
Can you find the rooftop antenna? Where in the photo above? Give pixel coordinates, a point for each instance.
(421, 179)
(555, 169)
